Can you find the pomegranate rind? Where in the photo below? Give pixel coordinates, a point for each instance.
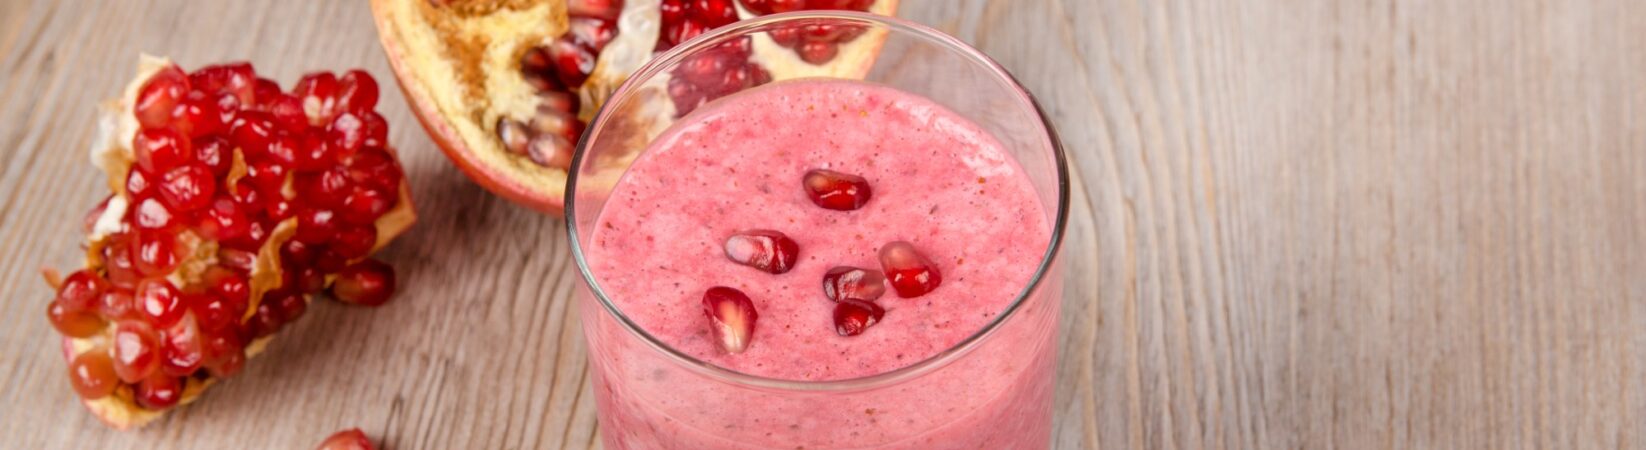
(110, 152)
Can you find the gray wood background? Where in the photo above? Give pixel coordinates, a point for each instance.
(1297, 224)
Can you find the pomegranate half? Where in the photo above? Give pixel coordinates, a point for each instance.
(233, 203)
(505, 87)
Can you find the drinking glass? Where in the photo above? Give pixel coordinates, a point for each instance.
(992, 390)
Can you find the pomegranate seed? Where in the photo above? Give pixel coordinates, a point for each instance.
(350, 439)
(852, 316)
(117, 304)
(315, 226)
(910, 273)
(136, 348)
(251, 132)
(356, 91)
(593, 32)
(287, 113)
(300, 280)
(229, 286)
(714, 13)
(346, 133)
(835, 190)
(265, 90)
(92, 374)
(121, 270)
(318, 91)
(850, 282)
(80, 290)
(364, 205)
(314, 152)
(158, 391)
(278, 210)
(283, 149)
(572, 61)
(673, 11)
(354, 241)
(159, 149)
(187, 188)
(223, 221)
(297, 254)
(267, 176)
(156, 253)
(195, 116)
(766, 250)
(330, 261)
(369, 282)
(212, 313)
(226, 107)
(159, 302)
(159, 95)
(150, 214)
(328, 188)
(238, 79)
(180, 347)
(241, 260)
(74, 323)
(225, 353)
(818, 52)
(215, 153)
(267, 320)
(374, 129)
(731, 317)
(291, 307)
(549, 150)
(605, 9)
(375, 168)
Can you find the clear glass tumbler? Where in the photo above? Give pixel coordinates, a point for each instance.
(993, 390)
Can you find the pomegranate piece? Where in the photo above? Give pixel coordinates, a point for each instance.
(74, 323)
(369, 282)
(909, 272)
(836, 190)
(767, 250)
(847, 282)
(731, 318)
(350, 439)
(158, 391)
(852, 316)
(92, 374)
(136, 351)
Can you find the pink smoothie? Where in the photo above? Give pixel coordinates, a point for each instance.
(939, 182)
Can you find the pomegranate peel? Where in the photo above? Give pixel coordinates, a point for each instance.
(109, 236)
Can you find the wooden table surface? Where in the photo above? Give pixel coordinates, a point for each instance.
(1296, 224)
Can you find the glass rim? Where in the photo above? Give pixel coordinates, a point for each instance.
(704, 41)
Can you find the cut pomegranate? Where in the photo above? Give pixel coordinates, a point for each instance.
(852, 316)
(570, 64)
(232, 190)
(92, 374)
(369, 282)
(767, 250)
(910, 273)
(835, 190)
(350, 439)
(846, 282)
(731, 318)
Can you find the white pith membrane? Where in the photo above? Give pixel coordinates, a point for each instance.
(461, 61)
(111, 153)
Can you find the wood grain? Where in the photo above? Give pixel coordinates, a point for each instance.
(1372, 224)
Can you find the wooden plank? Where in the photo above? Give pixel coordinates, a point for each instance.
(1295, 225)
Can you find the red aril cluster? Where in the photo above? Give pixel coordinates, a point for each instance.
(714, 73)
(556, 71)
(221, 159)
